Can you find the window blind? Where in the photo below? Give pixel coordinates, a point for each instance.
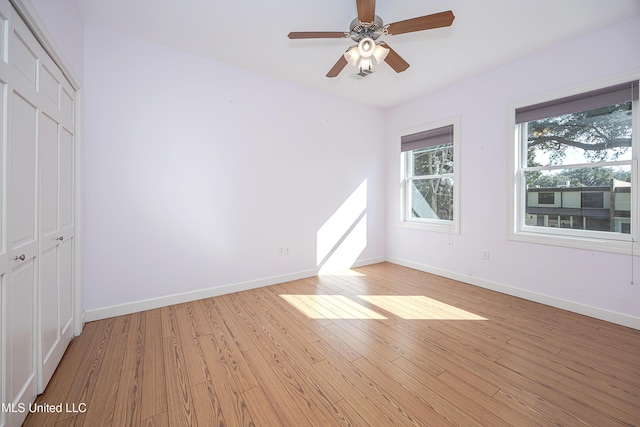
(427, 138)
(582, 102)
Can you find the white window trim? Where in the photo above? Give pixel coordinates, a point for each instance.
(593, 241)
(440, 226)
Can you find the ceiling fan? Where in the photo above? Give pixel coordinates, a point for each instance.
(366, 29)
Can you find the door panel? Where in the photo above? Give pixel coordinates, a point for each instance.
(66, 288)
(67, 166)
(23, 58)
(49, 304)
(21, 329)
(22, 176)
(48, 168)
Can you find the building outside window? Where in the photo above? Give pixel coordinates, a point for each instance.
(430, 179)
(576, 167)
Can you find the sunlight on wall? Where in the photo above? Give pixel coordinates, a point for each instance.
(343, 237)
(330, 307)
(419, 307)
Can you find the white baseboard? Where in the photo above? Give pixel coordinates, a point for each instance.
(574, 307)
(148, 304)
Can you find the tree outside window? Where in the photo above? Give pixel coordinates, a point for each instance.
(580, 150)
(430, 181)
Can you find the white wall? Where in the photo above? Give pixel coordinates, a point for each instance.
(168, 207)
(197, 172)
(596, 282)
(63, 22)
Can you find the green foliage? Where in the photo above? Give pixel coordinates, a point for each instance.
(436, 191)
(599, 135)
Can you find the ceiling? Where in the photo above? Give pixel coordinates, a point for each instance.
(253, 35)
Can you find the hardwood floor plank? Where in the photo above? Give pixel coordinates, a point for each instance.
(224, 349)
(260, 408)
(207, 406)
(135, 341)
(481, 405)
(597, 406)
(158, 420)
(282, 336)
(282, 312)
(106, 385)
(194, 360)
(126, 411)
(180, 407)
(286, 407)
(222, 387)
(153, 396)
(419, 402)
(347, 415)
(373, 404)
(237, 327)
(89, 370)
(378, 346)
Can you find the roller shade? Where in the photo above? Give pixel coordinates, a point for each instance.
(427, 138)
(582, 102)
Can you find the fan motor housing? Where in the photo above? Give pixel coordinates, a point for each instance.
(360, 30)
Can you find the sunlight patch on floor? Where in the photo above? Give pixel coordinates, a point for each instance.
(330, 307)
(409, 307)
(419, 307)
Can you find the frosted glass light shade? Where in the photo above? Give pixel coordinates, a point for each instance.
(380, 53)
(352, 55)
(366, 64)
(366, 47)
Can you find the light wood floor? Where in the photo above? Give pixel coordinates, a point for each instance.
(388, 347)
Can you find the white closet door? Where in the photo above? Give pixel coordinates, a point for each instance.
(22, 238)
(55, 142)
(37, 224)
(4, 264)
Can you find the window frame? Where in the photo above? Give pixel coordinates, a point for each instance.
(429, 224)
(603, 241)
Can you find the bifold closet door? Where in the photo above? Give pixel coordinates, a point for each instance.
(37, 250)
(21, 218)
(55, 153)
(4, 256)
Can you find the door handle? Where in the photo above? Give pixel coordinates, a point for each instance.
(21, 257)
(61, 238)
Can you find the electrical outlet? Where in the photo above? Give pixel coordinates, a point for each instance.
(283, 250)
(484, 254)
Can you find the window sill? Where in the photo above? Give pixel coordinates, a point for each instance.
(626, 247)
(438, 227)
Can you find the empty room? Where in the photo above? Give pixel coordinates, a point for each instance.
(347, 212)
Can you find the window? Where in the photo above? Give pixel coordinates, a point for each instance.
(430, 180)
(546, 198)
(575, 160)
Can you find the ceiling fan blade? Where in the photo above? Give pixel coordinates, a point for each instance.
(335, 70)
(366, 10)
(317, 35)
(436, 20)
(394, 60)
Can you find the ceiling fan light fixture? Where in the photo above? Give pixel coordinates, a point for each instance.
(380, 53)
(366, 47)
(352, 55)
(366, 65)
